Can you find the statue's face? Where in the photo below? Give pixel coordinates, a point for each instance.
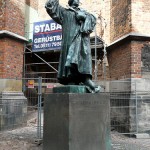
(75, 3)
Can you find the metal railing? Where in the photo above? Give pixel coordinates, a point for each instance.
(35, 96)
(129, 107)
(25, 110)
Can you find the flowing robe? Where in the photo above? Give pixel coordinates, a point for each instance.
(75, 50)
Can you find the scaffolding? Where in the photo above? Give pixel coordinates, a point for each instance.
(35, 62)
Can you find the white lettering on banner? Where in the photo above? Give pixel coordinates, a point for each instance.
(53, 26)
(37, 29)
(42, 27)
(46, 45)
(48, 39)
(47, 27)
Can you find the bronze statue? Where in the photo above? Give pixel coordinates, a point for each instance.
(75, 65)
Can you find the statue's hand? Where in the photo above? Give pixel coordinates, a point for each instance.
(49, 3)
(81, 15)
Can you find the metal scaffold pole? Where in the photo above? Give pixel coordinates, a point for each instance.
(104, 64)
(95, 55)
(39, 136)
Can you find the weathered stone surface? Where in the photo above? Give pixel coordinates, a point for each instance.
(146, 58)
(130, 105)
(13, 110)
(76, 122)
(142, 136)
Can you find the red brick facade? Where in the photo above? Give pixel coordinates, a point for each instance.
(12, 15)
(12, 59)
(129, 16)
(141, 16)
(2, 14)
(119, 60)
(136, 47)
(129, 26)
(2, 48)
(125, 60)
(11, 49)
(33, 3)
(120, 22)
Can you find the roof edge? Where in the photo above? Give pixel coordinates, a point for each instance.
(6, 33)
(129, 36)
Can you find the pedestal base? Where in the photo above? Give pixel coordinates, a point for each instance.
(13, 106)
(70, 89)
(76, 122)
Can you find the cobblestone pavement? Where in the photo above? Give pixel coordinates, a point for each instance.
(122, 142)
(25, 139)
(19, 139)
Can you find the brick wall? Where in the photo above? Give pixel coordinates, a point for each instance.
(120, 22)
(141, 16)
(11, 50)
(119, 59)
(136, 47)
(2, 48)
(11, 59)
(33, 3)
(106, 15)
(2, 14)
(14, 19)
(129, 60)
(129, 16)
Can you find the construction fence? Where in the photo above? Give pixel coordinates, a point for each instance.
(129, 107)
(24, 110)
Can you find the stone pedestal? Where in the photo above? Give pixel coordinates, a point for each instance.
(76, 122)
(13, 110)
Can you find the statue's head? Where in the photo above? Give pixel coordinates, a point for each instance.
(73, 3)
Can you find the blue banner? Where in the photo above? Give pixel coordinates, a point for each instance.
(47, 35)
